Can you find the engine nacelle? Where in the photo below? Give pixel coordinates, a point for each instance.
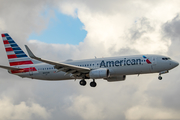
(116, 78)
(99, 73)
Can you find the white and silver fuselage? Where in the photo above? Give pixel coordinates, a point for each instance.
(117, 66)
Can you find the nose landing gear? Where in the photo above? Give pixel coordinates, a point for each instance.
(160, 78)
(163, 72)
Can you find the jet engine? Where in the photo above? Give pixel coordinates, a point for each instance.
(99, 73)
(116, 78)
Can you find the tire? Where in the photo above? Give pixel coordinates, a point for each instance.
(160, 78)
(93, 84)
(82, 82)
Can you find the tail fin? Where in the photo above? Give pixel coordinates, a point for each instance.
(15, 54)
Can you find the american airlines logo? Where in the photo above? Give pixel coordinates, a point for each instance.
(123, 62)
(147, 60)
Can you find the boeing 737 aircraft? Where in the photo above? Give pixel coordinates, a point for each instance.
(110, 69)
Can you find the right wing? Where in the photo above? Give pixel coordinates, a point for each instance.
(69, 69)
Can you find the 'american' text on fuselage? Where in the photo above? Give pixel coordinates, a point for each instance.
(120, 62)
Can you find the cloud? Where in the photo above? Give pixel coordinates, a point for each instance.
(142, 112)
(20, 18)
(9, 110)
(85, 107)
(172, 28)
(118, 27)
(170, 31)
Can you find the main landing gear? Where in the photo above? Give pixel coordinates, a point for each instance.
(92, 84)
(82, 82)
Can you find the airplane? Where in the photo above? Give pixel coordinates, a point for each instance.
(111, 69)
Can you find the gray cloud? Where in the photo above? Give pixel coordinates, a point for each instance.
(125, 51)
(171, 28)
(143, 27)
(142, 97)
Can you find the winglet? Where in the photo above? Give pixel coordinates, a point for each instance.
(30, 52)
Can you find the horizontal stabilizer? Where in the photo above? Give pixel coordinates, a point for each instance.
(9, 68)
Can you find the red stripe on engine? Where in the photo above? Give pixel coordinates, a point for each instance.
(3, 35)
(23, 70)
(11, 56)
(9, 49)
(21, 63)
(6, 42)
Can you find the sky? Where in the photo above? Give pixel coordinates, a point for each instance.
(80, 29)
(62, 29)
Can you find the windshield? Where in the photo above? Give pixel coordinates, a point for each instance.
(166, 58)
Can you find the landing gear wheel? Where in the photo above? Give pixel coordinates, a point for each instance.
(93, 83)
(160, 78)
(82, 82)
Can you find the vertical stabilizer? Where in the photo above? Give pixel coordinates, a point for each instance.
(15, 54)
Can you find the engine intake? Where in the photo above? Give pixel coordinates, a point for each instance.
(99, 73)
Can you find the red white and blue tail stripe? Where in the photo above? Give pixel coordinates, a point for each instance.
(15, 54)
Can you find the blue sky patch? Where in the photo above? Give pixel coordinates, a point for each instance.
(63, 29)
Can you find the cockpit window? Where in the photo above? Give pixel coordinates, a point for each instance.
(166, 58)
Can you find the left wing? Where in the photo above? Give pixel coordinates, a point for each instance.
(69, 69)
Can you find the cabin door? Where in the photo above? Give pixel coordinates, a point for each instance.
(153, 64)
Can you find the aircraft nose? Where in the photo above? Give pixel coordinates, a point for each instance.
(174, 63)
